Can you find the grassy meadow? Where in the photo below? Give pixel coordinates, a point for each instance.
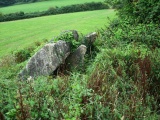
(19, 34)
(42, 6)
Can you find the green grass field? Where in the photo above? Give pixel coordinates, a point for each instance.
(23, 33)
(42, 6)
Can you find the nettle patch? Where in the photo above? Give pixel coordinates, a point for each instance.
(70, 37)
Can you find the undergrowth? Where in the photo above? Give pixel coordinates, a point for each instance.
(121, 81)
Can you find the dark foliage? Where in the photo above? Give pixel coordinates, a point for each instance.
(137, 11)
(22, 55)
(11, 2)
(6, 2)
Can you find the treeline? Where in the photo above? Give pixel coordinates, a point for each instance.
(11, 2)
(54, 10)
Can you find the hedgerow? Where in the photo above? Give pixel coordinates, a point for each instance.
(54, 11)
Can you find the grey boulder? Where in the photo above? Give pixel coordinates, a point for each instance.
(90, 38)
(46, 60)
(76, 58)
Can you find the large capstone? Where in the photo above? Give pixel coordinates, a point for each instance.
(46, 60)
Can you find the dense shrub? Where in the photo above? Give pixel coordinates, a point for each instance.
(21, 55)
(143, 11)
(122, 31)
(51, 10)
(120, 82)
(84, 7)
(12, 16)
(137, 11)
(142, 43)
(54, 10)
(54, 99)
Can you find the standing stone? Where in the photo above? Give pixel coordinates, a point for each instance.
(75, 34)
(76, 58)
(90, 38)
(46, 60)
